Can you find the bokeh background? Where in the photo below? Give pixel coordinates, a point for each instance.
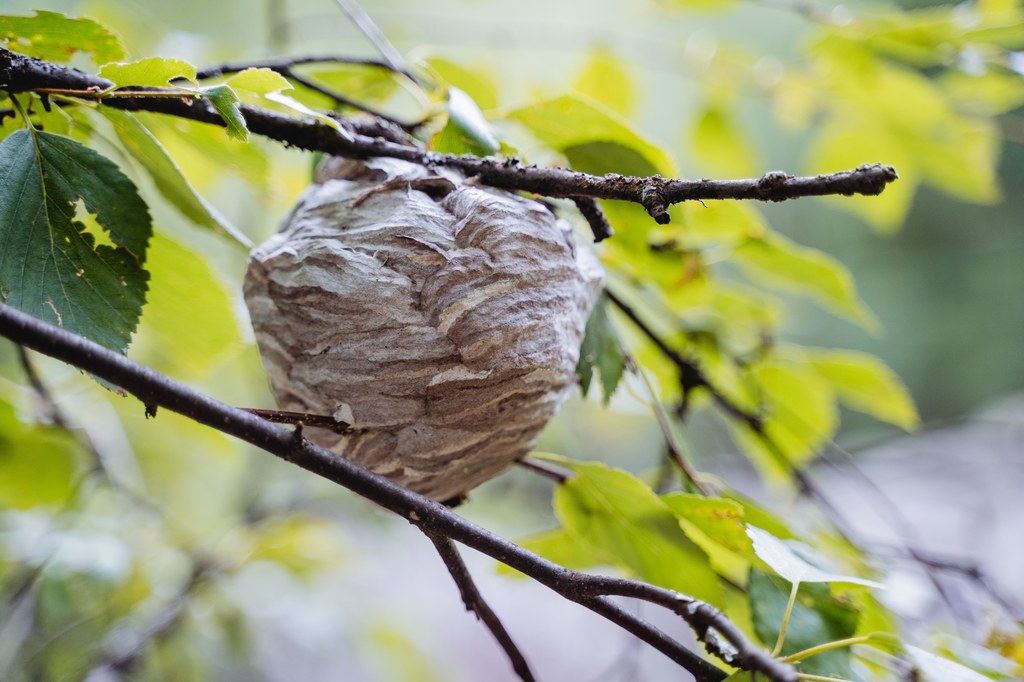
(330, 588)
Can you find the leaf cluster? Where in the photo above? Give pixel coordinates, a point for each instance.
(695, 313)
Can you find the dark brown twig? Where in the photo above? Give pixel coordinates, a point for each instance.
(544, 469)
(153, 388)
(288, 63)
(595, 217)
(304, 418)
(690, 374)
(19, 73)
(475, 602)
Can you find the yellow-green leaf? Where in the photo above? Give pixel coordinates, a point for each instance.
(57, 38)
(151, 72)
(475, 82)
(226, 102)
(167, 177)
(839, 145)
(800, 414)
(718, 518)
(776, 261)
(572, 121)
(621, 516)
(865, 383)
(260, 81)
(190, 322)
(564, 549)
(721, 145)
(605, 79)
(37, 465)
(301, 108)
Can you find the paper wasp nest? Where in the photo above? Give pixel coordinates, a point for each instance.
(441, 320)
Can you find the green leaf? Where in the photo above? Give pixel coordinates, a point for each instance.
(571, 121)
(938, 669)
(605, 79)
(841, 144)
(716, 526)
(865, 383)
(800, 410)
(303, 545)
(476, 83)
(261, 81)
(718, 518)
(599, 158)
(56, 267)
(719, 143)
(209, 154)
(169, 180)
(151, 72)
(602, 349)
(190, 323)
(226, 102)
(793, 568)
(817, 618)
(370, 84)
(620, 516)
(57, 38)
(563, 548)
(37, 466)
(464, 113)
(776, 261)
(298, 106)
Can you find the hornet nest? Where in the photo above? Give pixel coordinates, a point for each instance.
(441, 320)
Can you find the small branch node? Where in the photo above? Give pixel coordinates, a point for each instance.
(652, 198)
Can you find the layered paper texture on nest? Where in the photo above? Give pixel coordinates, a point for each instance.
(441, 320)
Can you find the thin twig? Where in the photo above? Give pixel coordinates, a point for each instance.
(159, 627)
(154, 389)
(19, 73)
(691, 375)
(969, 569)
(595, 217)
(305, 418)
(544, 469)
(290, 62)
(368, 27)
(475, 602)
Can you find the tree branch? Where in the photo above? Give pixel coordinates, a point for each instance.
(19, 73)
(156, 390)
(474, 602)
(280, 65)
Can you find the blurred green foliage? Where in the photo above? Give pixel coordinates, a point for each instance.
(127, 543)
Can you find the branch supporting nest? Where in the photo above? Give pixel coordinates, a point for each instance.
(156, 390)
(19, 73)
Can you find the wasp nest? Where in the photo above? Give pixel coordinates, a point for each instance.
(441, 320)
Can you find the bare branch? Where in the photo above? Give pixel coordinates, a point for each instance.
(690, 374)
(286, 64)
(19, 74)
(474, 602)
(156, 390)
(591, 211)
(159, 627)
